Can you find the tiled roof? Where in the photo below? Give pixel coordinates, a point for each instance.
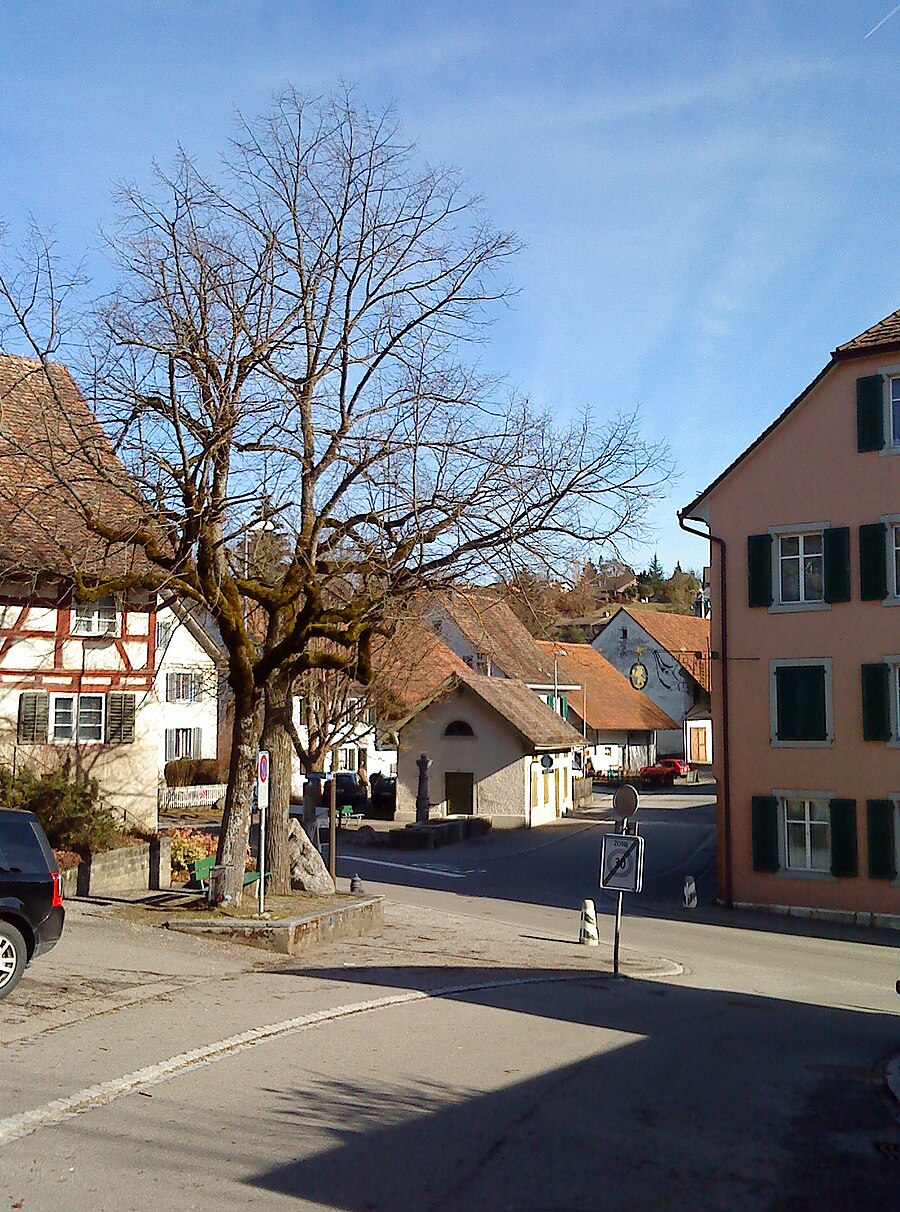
(682, 635)
(885, 332)
(490, 626)
(55, 458)
(409, 668)
(540, 726)
(609, 700)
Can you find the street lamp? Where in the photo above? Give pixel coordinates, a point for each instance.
(557, 652)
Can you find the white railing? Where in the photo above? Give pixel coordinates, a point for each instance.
(208, 796)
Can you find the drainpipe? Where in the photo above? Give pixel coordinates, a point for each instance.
(723, 658)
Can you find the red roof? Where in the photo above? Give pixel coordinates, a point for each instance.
(684, 636)
(609, 700)
(56, 468)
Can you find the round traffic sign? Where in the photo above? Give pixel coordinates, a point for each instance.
(547, 762)
(263, 767)
(626, 800)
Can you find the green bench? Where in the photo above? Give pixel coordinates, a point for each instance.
(200, 870)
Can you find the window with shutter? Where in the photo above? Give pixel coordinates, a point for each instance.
(870, 413)
(807, 834)
(801, 702)
(881, 839)
(872, 562)
(120, 718)
(764, 821)
(837, 563)
(34, 717)
(843, 837)
(876, 706)
(759, 569)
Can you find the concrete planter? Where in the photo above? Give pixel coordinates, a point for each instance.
(292, 936)
(147, 865)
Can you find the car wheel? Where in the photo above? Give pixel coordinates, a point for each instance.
(13, 958)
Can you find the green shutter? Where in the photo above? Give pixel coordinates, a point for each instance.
(873, 562)
(34, 717)
(120, 719)
(876, 708)
(800, 708)
(759, 569)
(869, 413)
(843, 837)
(765, 833)
(881, 839)
(837, 564)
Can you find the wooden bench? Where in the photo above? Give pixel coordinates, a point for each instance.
(200, 870)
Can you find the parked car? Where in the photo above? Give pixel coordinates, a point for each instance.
(384, 798)
(31, 905)
(351, 791)
(679, 765)
(657, 775)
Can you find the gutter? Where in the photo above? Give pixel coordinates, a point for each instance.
(723, 657)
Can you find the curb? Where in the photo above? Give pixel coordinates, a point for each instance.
(293, 935)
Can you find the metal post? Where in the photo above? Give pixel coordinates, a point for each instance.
(618, 928)
(262, 859)
(332, 823)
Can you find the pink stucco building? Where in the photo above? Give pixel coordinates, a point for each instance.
(805, 535)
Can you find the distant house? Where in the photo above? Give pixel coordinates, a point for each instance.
(485, 634)
(496, 750)
(75, 675)
(189, 685)
(618, 723)
(667, 658)
(806, 605)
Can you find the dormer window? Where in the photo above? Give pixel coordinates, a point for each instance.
(97, 618)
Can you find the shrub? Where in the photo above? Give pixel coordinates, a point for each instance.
(66, 806)
(191, 845)
(192, 772)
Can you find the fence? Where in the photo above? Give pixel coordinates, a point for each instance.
(171, 799)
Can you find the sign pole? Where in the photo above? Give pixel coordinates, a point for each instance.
(618, 928)
(262, 802)
(332, 823)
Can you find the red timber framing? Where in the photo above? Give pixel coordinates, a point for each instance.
(67, 669)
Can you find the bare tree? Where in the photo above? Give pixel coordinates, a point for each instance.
(286, 350)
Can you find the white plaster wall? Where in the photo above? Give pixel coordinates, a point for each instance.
(668, 685)
(127, 773)
(496, 757)
(183, 653)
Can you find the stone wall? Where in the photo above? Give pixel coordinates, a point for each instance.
(148, 865)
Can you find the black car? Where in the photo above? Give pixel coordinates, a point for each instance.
(384, 798)
(31, 906)
(351, 791)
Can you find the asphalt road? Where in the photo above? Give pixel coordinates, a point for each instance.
(474, 1057)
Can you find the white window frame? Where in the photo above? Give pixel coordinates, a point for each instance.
(891, 438)
(348, 753)
(94, 617)
(819, 797)
(194, 734)
(795, 530)
(892, 557)
(194, 681)
(76, 701)
(893, 663)
(828, 743)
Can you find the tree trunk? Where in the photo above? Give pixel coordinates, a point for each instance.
(235, 832)
(276, 738)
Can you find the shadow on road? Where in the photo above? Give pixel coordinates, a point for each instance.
(700, 1100)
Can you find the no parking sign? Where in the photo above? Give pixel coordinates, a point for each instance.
(262, 779)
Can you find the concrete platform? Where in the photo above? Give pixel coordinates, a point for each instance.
(295, 935)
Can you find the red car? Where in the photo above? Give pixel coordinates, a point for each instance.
(677, 764)
(657, 775)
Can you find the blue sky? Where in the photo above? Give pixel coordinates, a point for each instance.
(707, 192)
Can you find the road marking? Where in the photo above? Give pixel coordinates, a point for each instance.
(452, 873)
(15, 1127)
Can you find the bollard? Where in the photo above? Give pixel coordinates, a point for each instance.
(690, 892)
(356, 884)
(588, 933)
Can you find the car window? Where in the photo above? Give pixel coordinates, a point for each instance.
(22, 847)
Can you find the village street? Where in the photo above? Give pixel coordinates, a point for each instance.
(472, 1057)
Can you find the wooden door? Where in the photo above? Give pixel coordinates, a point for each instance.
(459, 792)
(698, 746)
